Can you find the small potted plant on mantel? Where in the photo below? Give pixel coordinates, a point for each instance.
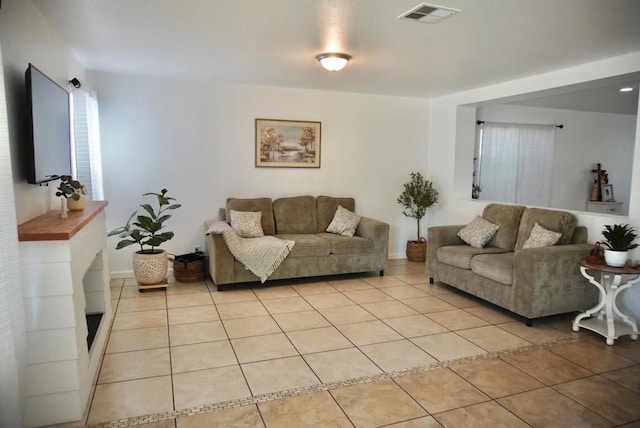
(72, 192)
(619, 240)
(418, 195)
(149, 262)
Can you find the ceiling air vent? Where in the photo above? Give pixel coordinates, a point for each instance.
(428, 13)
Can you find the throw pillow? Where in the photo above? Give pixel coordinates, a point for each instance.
(247, 224)
(541, 237)
(344, 222)
(479, 232)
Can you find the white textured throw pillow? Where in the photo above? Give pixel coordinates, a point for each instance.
(247, 224)
(479, 232)
(541, 237)
(344, 222)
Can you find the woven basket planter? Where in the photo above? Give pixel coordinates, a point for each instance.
(417, 250)
(150, 268)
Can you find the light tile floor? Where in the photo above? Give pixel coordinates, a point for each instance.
(286, 355)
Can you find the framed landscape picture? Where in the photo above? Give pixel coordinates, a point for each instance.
(287, 143)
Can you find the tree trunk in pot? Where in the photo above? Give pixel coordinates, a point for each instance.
(150, 268)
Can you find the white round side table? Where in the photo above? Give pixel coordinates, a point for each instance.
(612, 281)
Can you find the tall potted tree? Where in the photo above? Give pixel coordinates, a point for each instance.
(149, 262)
(418, 195)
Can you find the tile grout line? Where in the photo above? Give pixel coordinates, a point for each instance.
(328, 386)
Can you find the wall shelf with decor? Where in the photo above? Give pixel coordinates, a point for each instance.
(605, 207)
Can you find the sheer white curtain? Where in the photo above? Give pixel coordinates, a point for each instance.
(12, 322)
(516, 163)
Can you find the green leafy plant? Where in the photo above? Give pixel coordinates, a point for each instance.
(619, 237)
(418, 195)
(146, 229)
(70, 188)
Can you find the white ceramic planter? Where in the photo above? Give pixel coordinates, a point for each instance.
(615, 258)
(150, 268)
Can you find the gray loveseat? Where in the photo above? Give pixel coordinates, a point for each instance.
(531, 282)
(304, 219)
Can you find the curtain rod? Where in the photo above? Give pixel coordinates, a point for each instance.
(481, 122)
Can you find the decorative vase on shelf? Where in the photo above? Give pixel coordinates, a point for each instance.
(77, 205)
(63, 208)
(615, 258)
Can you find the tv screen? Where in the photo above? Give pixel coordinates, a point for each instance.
(49, 128)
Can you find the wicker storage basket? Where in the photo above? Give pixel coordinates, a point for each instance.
(417, 250)
(189, 267)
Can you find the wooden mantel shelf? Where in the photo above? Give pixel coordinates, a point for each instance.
(50, 227)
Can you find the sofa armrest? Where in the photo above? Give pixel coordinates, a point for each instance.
(378, 232)
(548, 281)
(220, 258)
(440, 236)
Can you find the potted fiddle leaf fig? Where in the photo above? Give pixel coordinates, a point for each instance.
(618, 240)
(149, 262)
(418, 195)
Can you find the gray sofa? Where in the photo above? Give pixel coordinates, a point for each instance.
(304, 219)
(531, 282)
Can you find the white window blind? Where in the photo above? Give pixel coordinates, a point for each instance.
(86, 129)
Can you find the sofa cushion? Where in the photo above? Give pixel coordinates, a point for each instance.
(478, 233)
(307, 245)
(263, 205)
(344, 222)
(498, 267)
(295, 215)
(558, 221)
(541, 237)
(507, 217)
(341, 244)
(326, 208)
(247, 224)
(461, 255)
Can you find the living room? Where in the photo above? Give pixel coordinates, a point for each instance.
(182, 128)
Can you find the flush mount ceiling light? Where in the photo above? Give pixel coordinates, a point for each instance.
(333, 61)
(626, 89)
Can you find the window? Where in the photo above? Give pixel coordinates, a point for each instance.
(86, 130)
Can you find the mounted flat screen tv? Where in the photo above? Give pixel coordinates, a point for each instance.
(49, 128)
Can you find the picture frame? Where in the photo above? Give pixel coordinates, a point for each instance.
(607, 193)
(288, 143)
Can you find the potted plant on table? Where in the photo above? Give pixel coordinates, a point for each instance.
(619, 240)
(149, 262)
(418, 195)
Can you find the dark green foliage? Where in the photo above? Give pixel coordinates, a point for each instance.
(145, 229)
(418, 195)
(70, 188)
(619, 237)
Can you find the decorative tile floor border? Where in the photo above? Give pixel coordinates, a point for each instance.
(138, 420)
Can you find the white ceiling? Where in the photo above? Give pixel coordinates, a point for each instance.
(274, 42)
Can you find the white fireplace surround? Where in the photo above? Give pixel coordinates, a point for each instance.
(63, 280)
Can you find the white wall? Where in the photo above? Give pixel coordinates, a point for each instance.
(197, 140)
(586, 139)
(27, 37)
(450, 160)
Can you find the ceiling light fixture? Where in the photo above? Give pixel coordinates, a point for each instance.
(627, 89)
(333, 61)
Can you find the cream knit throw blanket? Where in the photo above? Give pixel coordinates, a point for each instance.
(261, 256)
